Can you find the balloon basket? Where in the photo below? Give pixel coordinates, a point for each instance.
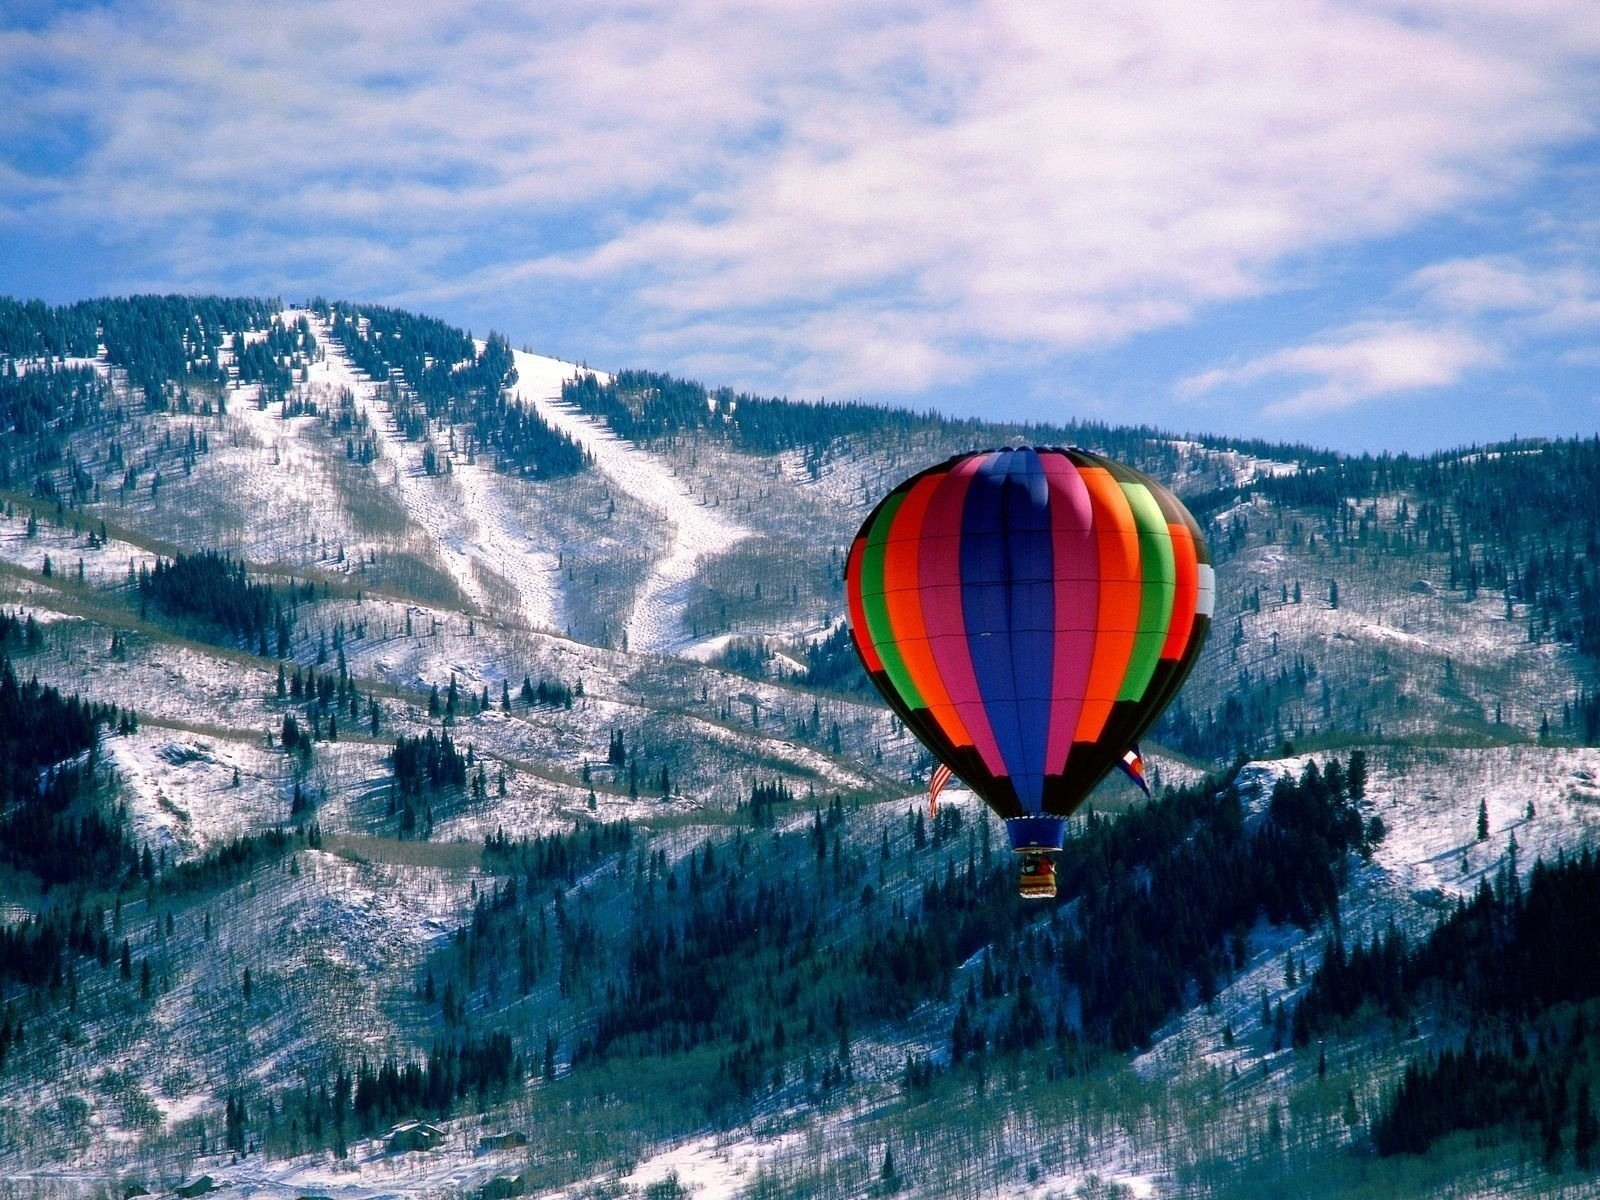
(1037, 878)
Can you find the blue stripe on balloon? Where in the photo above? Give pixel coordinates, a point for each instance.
(1008, 603)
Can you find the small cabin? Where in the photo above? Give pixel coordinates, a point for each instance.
(198, 1187)
(410, 1136)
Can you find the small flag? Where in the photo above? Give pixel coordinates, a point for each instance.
(941, 776)
(1132, 764)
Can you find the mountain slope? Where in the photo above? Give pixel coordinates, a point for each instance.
(660, 563)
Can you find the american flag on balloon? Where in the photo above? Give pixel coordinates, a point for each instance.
(941, 776)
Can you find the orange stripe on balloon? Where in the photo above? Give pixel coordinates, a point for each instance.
(1187, 565)
(903, 594)
(1121, 589)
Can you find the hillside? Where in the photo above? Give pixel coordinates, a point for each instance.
(467, 735)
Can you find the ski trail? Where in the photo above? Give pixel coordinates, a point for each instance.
(695, 532)
(465, 513)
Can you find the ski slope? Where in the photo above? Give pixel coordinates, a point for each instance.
(656, 623)
(476, 536)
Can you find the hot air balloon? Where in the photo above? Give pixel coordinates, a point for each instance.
(1028, 613)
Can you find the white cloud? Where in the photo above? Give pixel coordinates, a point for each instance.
(1546, 298)
(841, 197)
(1359, 364)
(1480, 285)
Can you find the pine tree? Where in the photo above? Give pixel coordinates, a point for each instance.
(1356, 775)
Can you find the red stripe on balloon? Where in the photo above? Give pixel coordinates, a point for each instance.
(1077, 601)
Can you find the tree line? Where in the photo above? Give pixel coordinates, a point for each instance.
(651, 407)
(774, 952)
(266, 361)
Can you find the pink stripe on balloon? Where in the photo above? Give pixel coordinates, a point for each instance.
(1076, 563)
(939, 574)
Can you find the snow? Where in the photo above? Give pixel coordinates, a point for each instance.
(656, 623)
(1429, 803)
(709, 1168)
(1428, 800)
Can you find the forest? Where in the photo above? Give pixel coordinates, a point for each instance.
(56, 821)
(217, 590)
(776, 953)
(1506, 968)
(651, 408)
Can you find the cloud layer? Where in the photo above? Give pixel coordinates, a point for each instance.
(1357, 364)
(873, 197)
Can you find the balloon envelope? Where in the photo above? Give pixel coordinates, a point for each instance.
(1028, 613)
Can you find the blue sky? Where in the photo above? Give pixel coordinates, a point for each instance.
(1360, 225)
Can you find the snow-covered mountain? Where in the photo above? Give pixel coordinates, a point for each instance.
(616, 595)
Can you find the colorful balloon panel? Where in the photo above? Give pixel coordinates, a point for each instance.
(1028, 613)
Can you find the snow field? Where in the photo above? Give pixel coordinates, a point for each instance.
(104, 566)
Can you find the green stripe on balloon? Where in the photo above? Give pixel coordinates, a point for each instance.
(1159, 575)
